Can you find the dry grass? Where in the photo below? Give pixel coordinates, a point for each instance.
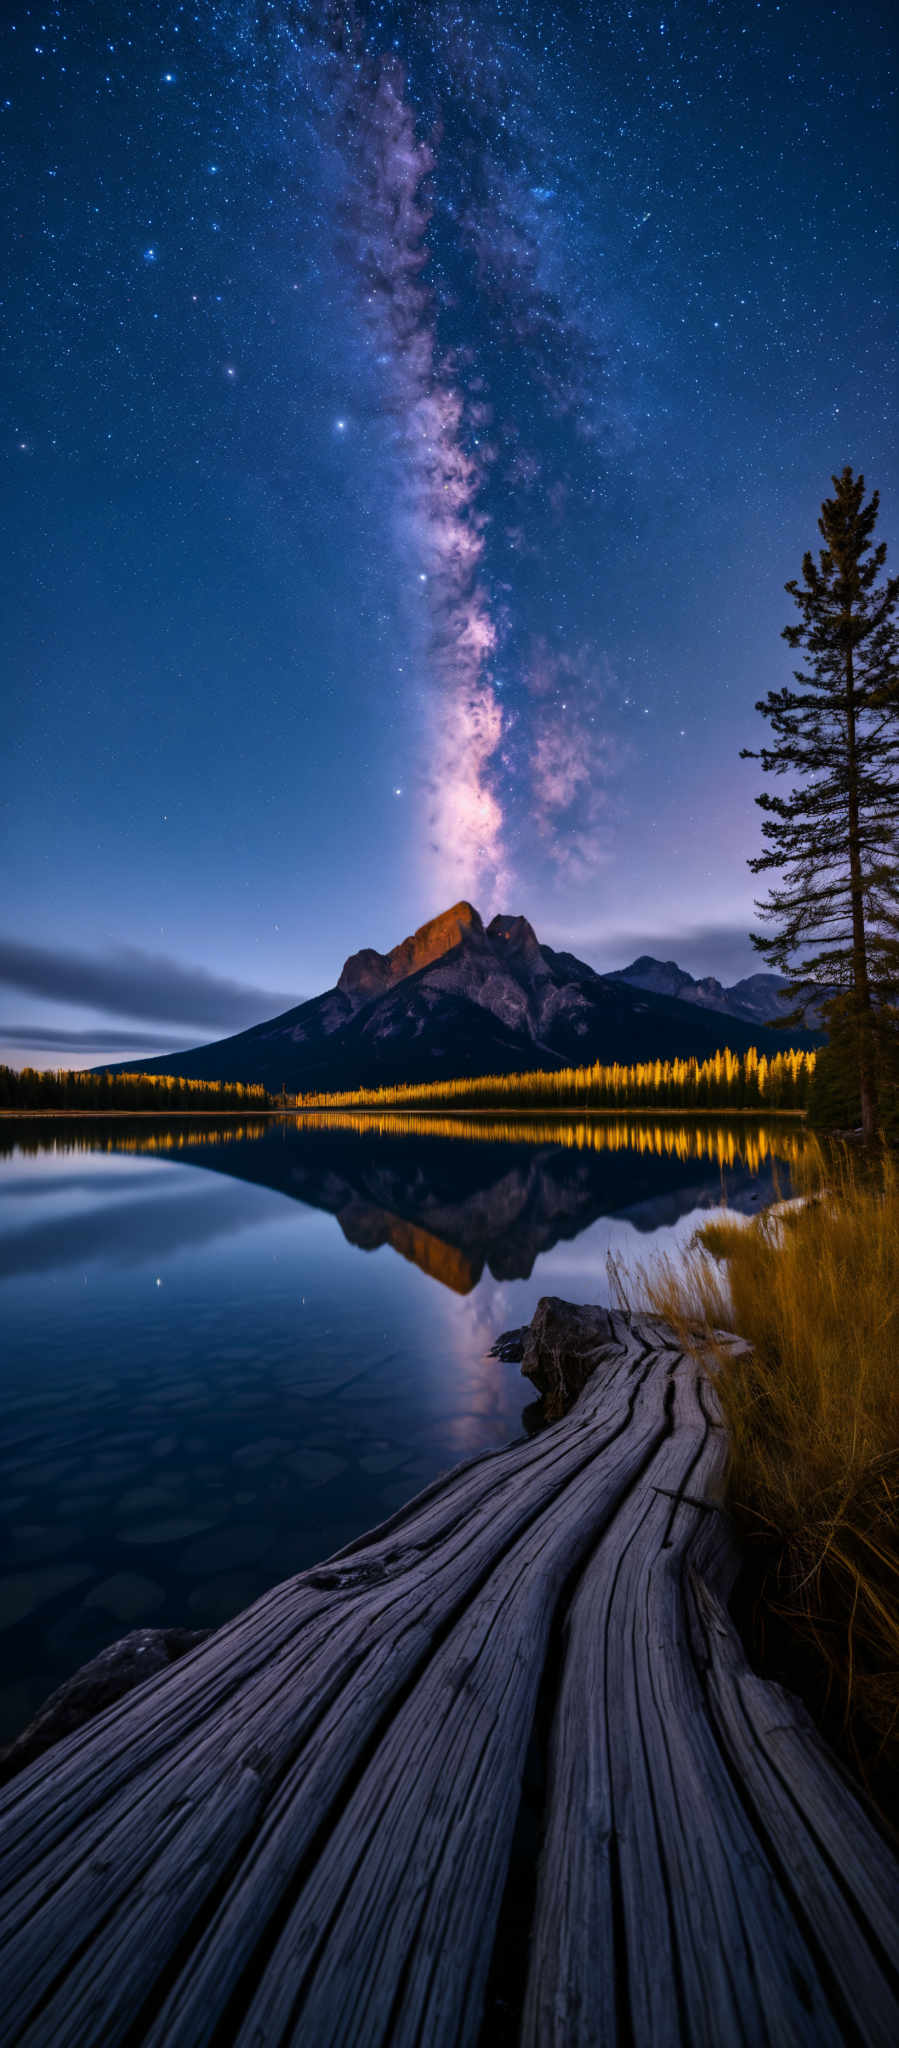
(813, 1414)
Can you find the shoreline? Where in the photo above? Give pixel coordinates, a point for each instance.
(446, 1109)
(605, 1513)
(108, 1115)
(389, 1108)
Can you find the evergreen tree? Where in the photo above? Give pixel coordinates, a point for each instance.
(834, 840)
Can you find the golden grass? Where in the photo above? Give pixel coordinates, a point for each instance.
(813, 1414)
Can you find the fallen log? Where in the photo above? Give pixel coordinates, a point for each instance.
(303, 1830)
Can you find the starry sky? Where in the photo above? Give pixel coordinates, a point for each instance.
(411, 415)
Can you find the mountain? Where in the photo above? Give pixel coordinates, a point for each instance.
(757, 999)
(460, 998)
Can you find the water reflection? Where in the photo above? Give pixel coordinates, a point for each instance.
(124, 1232)
(726, 1143)
(212, 1378)
(503, 1191)
(61, 1136)
(496, 1197)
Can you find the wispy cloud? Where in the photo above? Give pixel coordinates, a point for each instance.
(127, 982)
(49, 1038)
(721, 948)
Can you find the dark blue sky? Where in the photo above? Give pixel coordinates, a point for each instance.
(411, 417)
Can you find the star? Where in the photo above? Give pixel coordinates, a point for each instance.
(519, 418)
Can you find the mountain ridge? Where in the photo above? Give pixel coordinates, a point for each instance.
(455, 998)
(758, 998)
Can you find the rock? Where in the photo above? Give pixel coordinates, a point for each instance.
(561, 1350)
(116, 1671)
(315, 1468)
(169, 1529)
(33, 1542)
(367, 973)
(510, 1346)
(262, 1451)
(21, 1593)
(127, 1596)
(226, 1550)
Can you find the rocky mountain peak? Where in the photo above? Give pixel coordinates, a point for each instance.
(454, 999)
(664, 977)
(761, 983)
(367, 974)
(513, 932)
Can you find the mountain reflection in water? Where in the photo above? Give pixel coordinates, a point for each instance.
(505, 1221)
(208, 1383)
(458, 1195)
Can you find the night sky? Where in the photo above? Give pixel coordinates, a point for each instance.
(411, 415)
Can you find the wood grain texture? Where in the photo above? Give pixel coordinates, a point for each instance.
(302, 1832)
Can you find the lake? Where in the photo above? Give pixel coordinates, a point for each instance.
(229, 1348)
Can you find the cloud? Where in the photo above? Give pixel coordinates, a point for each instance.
(722, 949)
(127, 982)
(138, 1232)
(49, 1038)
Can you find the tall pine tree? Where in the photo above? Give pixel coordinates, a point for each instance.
(834, 840)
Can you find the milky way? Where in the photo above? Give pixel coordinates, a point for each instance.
(428, 225)
(413, 415)
(440, 462)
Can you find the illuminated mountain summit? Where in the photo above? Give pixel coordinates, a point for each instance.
(458, 997)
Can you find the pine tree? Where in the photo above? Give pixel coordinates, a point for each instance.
(834, 840)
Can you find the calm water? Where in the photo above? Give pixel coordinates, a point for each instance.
(226, 1352)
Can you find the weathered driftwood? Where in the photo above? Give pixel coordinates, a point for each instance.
(302, 1832)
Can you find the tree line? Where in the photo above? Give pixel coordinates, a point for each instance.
(727, 1080)
(60, 1088)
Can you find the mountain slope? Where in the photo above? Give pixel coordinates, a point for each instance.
(457, 999)
(757, 999)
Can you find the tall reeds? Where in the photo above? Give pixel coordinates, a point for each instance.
(812, 1410)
